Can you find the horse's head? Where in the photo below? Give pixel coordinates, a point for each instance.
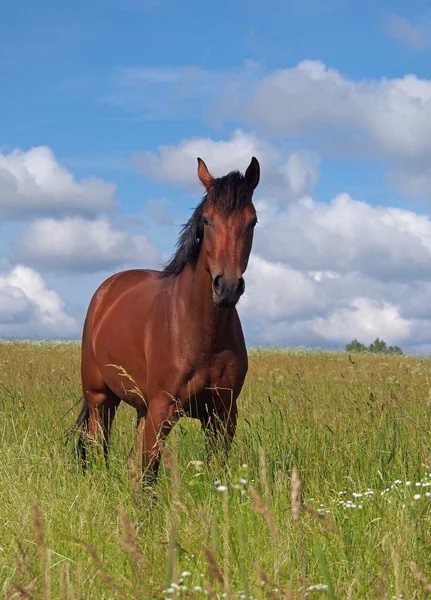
(228, 220)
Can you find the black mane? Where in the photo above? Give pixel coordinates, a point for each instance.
(228, 194)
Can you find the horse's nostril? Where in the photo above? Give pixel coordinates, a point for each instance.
(241, 285)
(217, 283)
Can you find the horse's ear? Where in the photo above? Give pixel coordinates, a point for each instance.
(252, 175)
(204, 175)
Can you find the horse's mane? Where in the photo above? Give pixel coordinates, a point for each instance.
(228, 194)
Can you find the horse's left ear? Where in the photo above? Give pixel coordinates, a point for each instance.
(252, 175)
(204, 175)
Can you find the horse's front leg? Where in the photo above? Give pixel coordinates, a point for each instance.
(219, 425)
(162, 416)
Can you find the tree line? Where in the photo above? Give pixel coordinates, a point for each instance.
(378, 346)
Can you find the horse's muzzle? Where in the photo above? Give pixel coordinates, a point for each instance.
(226, 293)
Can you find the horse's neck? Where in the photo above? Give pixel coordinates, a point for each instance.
(201, 316)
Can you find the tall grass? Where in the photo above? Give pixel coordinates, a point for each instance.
(326, 492)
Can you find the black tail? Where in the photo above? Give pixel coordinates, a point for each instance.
(84, 415)
(81, 425)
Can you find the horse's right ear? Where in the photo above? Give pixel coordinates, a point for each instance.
(252, 175)
(204, 175)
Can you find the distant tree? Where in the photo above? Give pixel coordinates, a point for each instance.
(377, 347)
(395, 350)
(355, 346)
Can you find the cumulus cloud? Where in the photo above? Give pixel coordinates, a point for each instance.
(322, 274)
(347, 235)
(393, 114)
(284, 177)
(28, 309)
(77, 244)
(291, 307)
(387, 119)
(34, 183)
(387, 116)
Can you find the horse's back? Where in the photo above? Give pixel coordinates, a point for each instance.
(113, 289)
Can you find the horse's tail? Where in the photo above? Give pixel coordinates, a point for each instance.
(84, 415)
(80, 427)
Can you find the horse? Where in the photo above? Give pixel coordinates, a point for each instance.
(170, 342)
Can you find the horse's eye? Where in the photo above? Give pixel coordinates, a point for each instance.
(205, 221)
(254, 222)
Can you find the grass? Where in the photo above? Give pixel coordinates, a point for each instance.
(326, 493)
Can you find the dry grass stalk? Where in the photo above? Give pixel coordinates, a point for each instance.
(270, 585)
(204, 518)
(263, 474)
(288, 594)
(210, 590)
(171, 464)
(262, 509)
(22, 592)
(420, 576)
(296, 485)
(65, 590)
(21, 565)
(38, 538)
(100, 572)
(213, 566)
(135, 477)
(130, 541)
(328, 524)
(296, 510)
(78, 594)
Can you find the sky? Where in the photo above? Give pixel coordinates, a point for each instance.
(105, 106)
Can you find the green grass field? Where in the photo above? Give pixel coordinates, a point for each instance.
(358, 433)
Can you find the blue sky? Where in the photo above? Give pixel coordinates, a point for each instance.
(337, 91)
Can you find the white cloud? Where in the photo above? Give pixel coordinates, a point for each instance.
(284, 178)
(386, 119)
(391, 117)
(408, 34)
(292, 307)
(324, 274)
(29, 309)
(347, 236)
(365, 319)
(77, 244)
(394, 115)
(34, 183)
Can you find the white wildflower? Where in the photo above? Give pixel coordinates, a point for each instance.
(317, 587)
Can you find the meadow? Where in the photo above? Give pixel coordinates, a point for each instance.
(326, 492)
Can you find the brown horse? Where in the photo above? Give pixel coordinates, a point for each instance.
(176, 332)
